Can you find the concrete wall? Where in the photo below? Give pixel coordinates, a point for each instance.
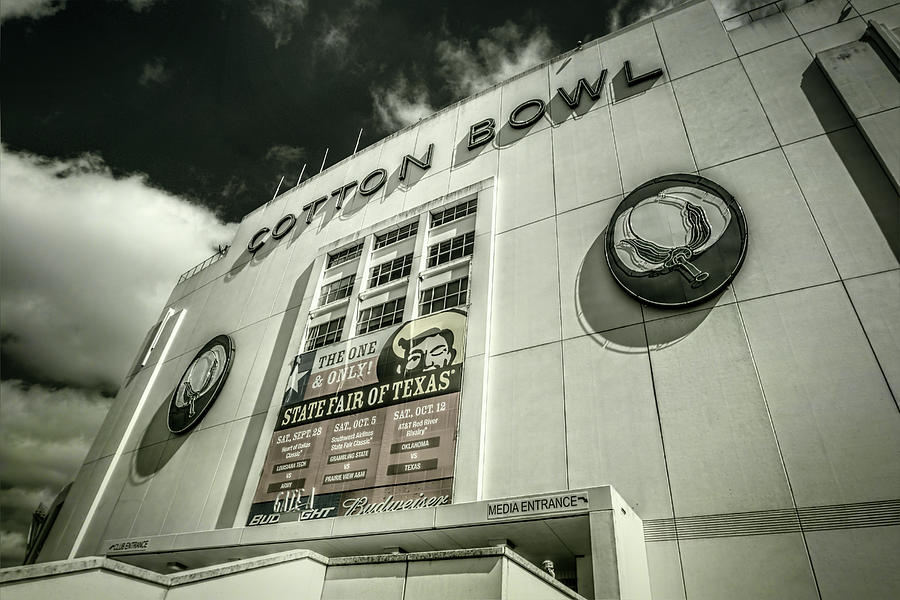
(477, 574)
(754, 434)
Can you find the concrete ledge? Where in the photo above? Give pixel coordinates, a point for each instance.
(93, 563)
(240, 566)
(76, 565)
(498, 551)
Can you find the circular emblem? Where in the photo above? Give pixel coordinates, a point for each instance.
(200, 384)
(676, 240)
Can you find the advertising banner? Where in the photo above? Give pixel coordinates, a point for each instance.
(367, 425)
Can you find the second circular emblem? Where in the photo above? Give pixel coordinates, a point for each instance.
(200, 384)
(676, 240)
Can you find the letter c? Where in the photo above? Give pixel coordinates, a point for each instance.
(284, 226)
(255, 243)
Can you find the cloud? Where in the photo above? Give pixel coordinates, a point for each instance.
(400, 104)
(30, 9)
(12, 548)
(235, 186)
(626, 12)
(154, 71)
(280, 16)
(141, 5)
(285, 154)
(88, 262)
(338, 33)
(506, 51)
(286, 161)
(38, 9)
(45, 434)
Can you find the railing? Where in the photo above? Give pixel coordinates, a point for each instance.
(212, 259)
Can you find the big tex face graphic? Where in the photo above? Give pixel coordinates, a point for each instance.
(429, 351)
(426, 344)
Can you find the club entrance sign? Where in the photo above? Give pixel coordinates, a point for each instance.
(483, 132)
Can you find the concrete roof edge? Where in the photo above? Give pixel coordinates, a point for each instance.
(77, 565)
(247, 564)
(91, 563)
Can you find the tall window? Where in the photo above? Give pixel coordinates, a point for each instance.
(342, 256)
(454, 212)
(396, 235)
(324, 334)
(448, 295)
(380, 316)
(391, 270)
(336, 290)
(461, 245)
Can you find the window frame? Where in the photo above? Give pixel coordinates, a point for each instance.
(323, 335)
(464, 243)
(461, 293)
(404, 232)
(344, 255)
(367, 323)
(395, 269)
(335, 288)
(454, 213)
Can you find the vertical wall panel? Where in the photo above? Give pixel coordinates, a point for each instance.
(720, 448)
(526, 288)
(525, 453)
(837, 423)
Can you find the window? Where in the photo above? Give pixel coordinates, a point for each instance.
(336, 290)
(448, 295)
(396, 235)
(454, 212)
(342, 256)
(380, 316)
(391, 270)
(448, 250)
(324, 334)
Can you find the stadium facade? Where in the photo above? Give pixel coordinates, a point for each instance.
(624, 326)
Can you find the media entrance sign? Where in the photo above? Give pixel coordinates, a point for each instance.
(676, 240)
(367, 425)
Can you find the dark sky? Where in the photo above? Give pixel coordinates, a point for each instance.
(135, 133)
(196, 94)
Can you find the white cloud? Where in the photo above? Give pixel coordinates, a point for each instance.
(338, 33)
(154, 71)
(400, 104)
(505, 52)
(337, 36)
(280, 16)
(140, 5)
(31, 9)
(12, 548)
(44, 436)
(88, 262)
(626, 12)
(282, 153)
(38, 9)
